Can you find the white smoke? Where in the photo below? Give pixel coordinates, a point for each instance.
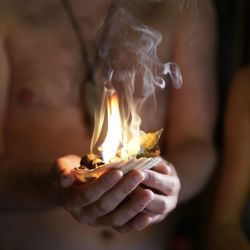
(128, 48)
(128, 56)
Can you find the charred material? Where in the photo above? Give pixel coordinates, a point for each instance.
(91, 161)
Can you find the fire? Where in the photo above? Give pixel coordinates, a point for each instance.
(114, 133)
(121, 141)
(118, 133)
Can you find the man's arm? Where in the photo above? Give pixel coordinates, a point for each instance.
(192, 109)
(25, 187)
(233, 191)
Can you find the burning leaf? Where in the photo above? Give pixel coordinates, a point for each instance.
(91, 161)
(149, 140)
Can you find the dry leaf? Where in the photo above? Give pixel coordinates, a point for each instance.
(149, 140)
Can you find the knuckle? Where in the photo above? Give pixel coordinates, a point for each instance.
(165, 168)
(153, 179)
(126, 189)
(163, 207)
(174, 186)
(157, 182)
(147, 197)
(105, 183)
(102, 207)
(85, 198)
(136, 209)
(116, 199)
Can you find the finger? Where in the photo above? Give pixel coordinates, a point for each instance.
(164, 168)
(166, 184)
(138, 223)
(86, 194)
(62, 170)
(129, 210)
(76, 197)
(66, 166)
(161, 205)
(116, 195)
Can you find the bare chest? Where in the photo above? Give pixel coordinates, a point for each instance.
(45, 52)
(46, 114)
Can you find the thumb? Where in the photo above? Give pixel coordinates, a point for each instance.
(62, 171)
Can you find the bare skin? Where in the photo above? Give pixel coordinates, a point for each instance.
(234, 185)
(42, 119)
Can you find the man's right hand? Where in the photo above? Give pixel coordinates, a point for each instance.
(103, 197)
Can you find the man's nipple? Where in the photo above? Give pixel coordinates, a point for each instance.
(26, 96)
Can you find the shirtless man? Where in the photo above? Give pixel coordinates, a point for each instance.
(41, 119)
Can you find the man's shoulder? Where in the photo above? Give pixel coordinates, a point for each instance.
(16, 9)
(9, 10)
(17, 6)
(4, 17)
(14, 13)
(187, 9)
(189, 18)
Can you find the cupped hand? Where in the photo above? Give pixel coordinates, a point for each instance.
(163, 179)
(109, 200)
(163, 183)
(127, 203)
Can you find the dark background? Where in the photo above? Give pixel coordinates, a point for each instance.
(233, 44)
(233, 24)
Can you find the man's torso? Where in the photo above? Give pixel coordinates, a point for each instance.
(46, 118)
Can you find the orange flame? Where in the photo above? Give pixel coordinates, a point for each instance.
(122, 139)
(114, 134)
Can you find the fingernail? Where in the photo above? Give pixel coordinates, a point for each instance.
(147, 195)
(114, 176)
(146, 176)
(136, 177)
(145, 198)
